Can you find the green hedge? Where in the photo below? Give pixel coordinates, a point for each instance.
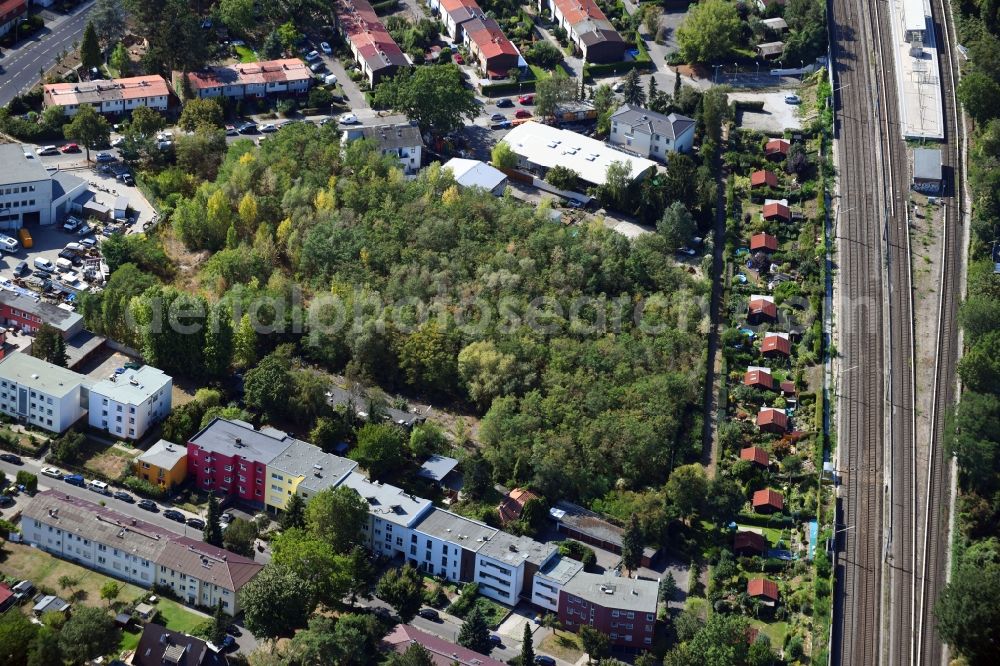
(761, 520)
(502, 89)
(384, 7)
(748, 105)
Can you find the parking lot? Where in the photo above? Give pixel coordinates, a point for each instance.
(777, 116)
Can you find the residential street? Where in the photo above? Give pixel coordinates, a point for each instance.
(20, 65)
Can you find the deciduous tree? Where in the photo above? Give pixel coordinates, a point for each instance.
(90, 632)
(379, 449)
(677, 226)
(88, 128)
(502, 156)
(435, 97)
(198, 113)
(402, 589)
(337, 515)
(275, 603)
(315, 563)
(240, 536)
(709, 32)
(687, 488)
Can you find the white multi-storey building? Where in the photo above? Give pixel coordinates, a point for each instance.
(40, 393)
(29, 193)
(135, 551)
(392, 513)
(506, 566)
(127, 405)
(651, 134)
(110, 97)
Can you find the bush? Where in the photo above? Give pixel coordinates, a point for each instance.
(143, 487)
(579, 552)
(28, 480)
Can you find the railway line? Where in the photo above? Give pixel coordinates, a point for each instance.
(933, 550)
(892, 558)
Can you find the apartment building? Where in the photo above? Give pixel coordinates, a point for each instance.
(445, 544)
(651, 134)
(231, 457)
(163, 464)
(624, 609)
(41, 394)
(392, 513)
(506, 566)
(303, 469)
(127, 405)
(30, 193)
(588, 28)
(374, 49)
(135, 551)
(401, 140)
(250, 79)
(115, 96)
(28, 313)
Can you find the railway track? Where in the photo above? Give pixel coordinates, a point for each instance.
(933, 560)
(861, 387)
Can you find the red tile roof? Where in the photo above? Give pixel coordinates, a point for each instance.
(768, 497)
(365, 31)
(11, 8)
(771, 416)
(511, 506)
(758, 378)
(755, 454)
(490, 40)
(762, 587)
(743, 541)
(268, 71)
(763, 241)
(443, 653)
(788, 387)
(773, 342)
(5, 594)
(763, 177)
(759, 306)
(777, 146)
(776, 209)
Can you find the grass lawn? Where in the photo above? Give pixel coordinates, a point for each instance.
(177, 617)
(246, 54)
(772, 534)
(775, 631)
(112, 462)
(562, 645)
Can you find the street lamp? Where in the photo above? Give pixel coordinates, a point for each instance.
(716, 68)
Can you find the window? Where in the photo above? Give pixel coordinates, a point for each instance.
(229, 468)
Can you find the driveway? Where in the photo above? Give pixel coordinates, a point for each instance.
(777, 116)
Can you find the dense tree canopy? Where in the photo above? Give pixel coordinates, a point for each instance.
(434, 97)
(709, 32)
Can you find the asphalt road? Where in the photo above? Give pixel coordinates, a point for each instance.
(21, 64)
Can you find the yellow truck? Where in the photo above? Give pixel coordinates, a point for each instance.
(26, 239)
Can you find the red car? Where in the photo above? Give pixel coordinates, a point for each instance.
(70, 148)
(522, 113)
(526, 99)
(459, 59)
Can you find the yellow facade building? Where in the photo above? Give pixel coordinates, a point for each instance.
(164, 464)
(302, 469)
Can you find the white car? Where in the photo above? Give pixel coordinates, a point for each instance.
(792, 99)
(8, 244)
(330, 79)
(53, 472)
(117, 141)
(312, 55)
(47, 150)
(268, 127)
(325, 48)
(348, 119)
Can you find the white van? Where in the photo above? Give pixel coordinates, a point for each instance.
(98, 487)
(65, 265)
(330, 79)
(8, 244)
(43, 264)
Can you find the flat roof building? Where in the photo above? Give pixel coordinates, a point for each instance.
(540, 147)
(473, 173)
(31, 194)
(303, 469)
(622, 608)
(40, 393)
(928, 172)
(585, 525)
(29, 313)
(127, 405)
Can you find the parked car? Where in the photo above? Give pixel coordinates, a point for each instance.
(496, 641)
(505, 103)
(312, 56)
(317, 66)
(233, 630)
(325, 48)
(85, 229)
(52, 472)
(70, 148)
(99, 487)
(75, 480)
(248, 128)
(330, 79)
(47, 150)
(526, 99)
(348, 119)
(502, 125)
(226, 645)
(117, 141)
(11, 458)
(21, 269)
(8, 244)
(429, 614)
(174, 514)
(231, 130)
(544, 660)
(148, 505)
(522, 113)
(72, 224)
(88, 242)
(126, 179)
(227, 518)
(792, 99)
(104, 157)
(268, 128)
(196, 523)
(6, 500)
(124, 496)
(497, 117)
(68, 255)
